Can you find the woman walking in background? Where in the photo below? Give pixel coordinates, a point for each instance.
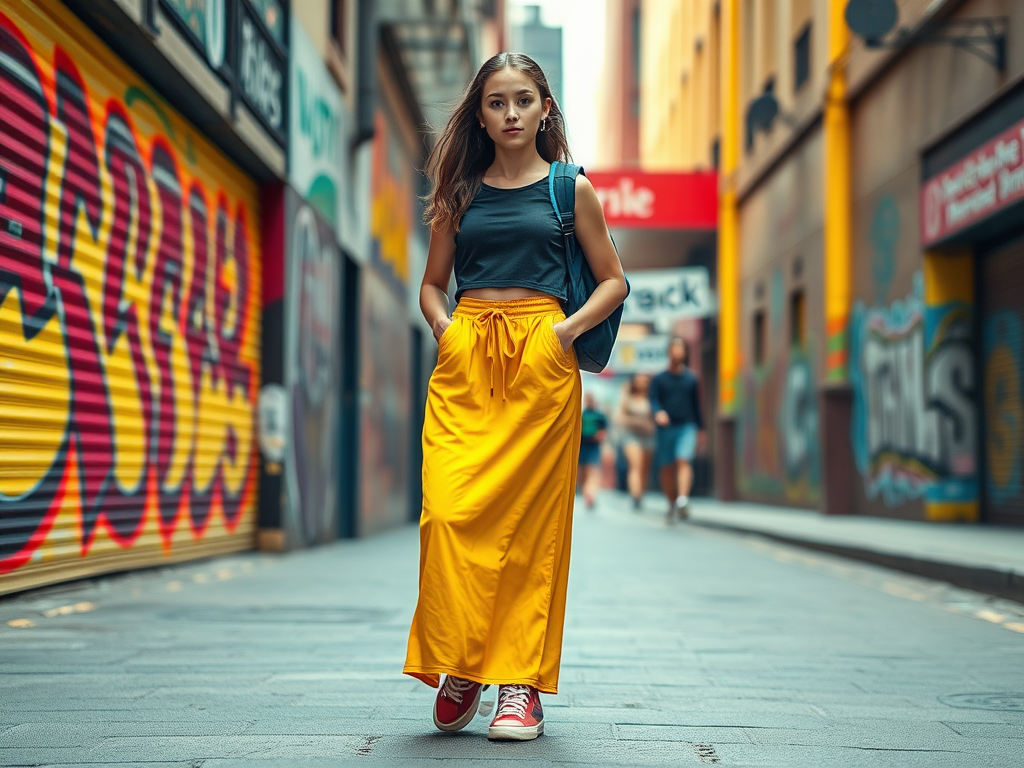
(635, 419)
(501, 431)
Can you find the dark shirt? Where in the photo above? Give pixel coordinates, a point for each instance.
(678, 394)
(510, 238)
(593, 422)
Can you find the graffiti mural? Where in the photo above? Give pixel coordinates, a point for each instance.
(385, 405)
(778, 432)
(1003, 356)
(312, 374)
(915, 431)
(129, 273)
(393, 196)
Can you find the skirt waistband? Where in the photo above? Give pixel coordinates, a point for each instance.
(512, 308)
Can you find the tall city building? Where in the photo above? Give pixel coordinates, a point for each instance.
(542, 43)
(618, 136)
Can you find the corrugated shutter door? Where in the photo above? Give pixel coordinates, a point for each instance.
(129, 325)
(1001, 298)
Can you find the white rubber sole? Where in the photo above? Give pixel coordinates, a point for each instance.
(463, 721)
(515, 732)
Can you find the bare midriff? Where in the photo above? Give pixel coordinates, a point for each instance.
(502, 294)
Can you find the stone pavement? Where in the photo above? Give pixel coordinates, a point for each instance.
(989, 558)
(683, 646)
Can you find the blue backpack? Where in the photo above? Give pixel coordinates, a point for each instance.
(593, 348)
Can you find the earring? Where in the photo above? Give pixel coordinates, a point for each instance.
(544, 124)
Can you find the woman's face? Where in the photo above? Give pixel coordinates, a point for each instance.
(511, 108)
(640, 383)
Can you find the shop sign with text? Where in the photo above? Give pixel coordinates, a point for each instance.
(315, 159)
(658, 200)
(976, 187)
(668, 294)
(644, 355)
(262, 70)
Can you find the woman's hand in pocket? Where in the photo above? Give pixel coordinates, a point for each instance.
(440, 326)
(565, 333)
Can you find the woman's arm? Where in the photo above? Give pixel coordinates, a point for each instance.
(434, 289)
(592, 234)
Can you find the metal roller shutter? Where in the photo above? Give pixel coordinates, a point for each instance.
(1001, 299)
(129, 325)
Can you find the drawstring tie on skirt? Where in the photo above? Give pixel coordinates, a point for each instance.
(501, 345)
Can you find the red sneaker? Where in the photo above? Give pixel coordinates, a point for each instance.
(520, 716)
(456, 703)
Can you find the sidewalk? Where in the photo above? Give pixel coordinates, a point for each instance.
(684, 647)
(986, 558)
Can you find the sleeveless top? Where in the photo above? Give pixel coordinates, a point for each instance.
(510, 238)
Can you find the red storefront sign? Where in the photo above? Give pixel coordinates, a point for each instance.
(658, 200)
(983, 183)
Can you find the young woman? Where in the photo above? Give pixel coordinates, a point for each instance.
(501, 432)
(635, 419)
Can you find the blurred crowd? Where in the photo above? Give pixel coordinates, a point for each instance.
(654, 430)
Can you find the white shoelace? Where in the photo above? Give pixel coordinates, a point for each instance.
(454, 687)
(512, 701)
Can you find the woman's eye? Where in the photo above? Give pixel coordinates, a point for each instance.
(524, 102)
(496, 104)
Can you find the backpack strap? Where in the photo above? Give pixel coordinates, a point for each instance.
(562, 190)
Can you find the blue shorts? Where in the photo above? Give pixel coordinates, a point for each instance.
(590, 453)
(676, 443)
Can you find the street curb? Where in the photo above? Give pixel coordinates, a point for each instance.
(1005, 584)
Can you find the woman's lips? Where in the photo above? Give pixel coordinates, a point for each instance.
(513, 130)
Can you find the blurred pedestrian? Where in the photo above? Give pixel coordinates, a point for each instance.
(675, 399)
(593, 431)
(501, 431)
(635, 419)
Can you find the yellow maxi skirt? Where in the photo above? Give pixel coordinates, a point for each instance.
(501, 440)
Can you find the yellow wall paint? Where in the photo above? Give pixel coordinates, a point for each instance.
(728, 217)
(838, 200)
(948, 278)
(130, 277)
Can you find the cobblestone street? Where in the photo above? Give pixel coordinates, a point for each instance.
(684, 646)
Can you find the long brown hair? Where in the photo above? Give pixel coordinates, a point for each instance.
(464, 151)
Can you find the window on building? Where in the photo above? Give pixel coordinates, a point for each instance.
(802, 58)
(342, 44)
(339, 25)
(760, 338)
(797, 319)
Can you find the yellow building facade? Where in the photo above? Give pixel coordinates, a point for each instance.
(680, 82)
(859, 282)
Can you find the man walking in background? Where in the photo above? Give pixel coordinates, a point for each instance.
(675, 400)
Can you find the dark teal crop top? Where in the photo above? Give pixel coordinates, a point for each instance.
(510, 238)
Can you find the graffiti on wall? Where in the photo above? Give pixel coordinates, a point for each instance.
(312, 374)
(1003, 356)
(915, 431)
(778, 432)
(128, 278)
(392, 196)
(385, 405)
